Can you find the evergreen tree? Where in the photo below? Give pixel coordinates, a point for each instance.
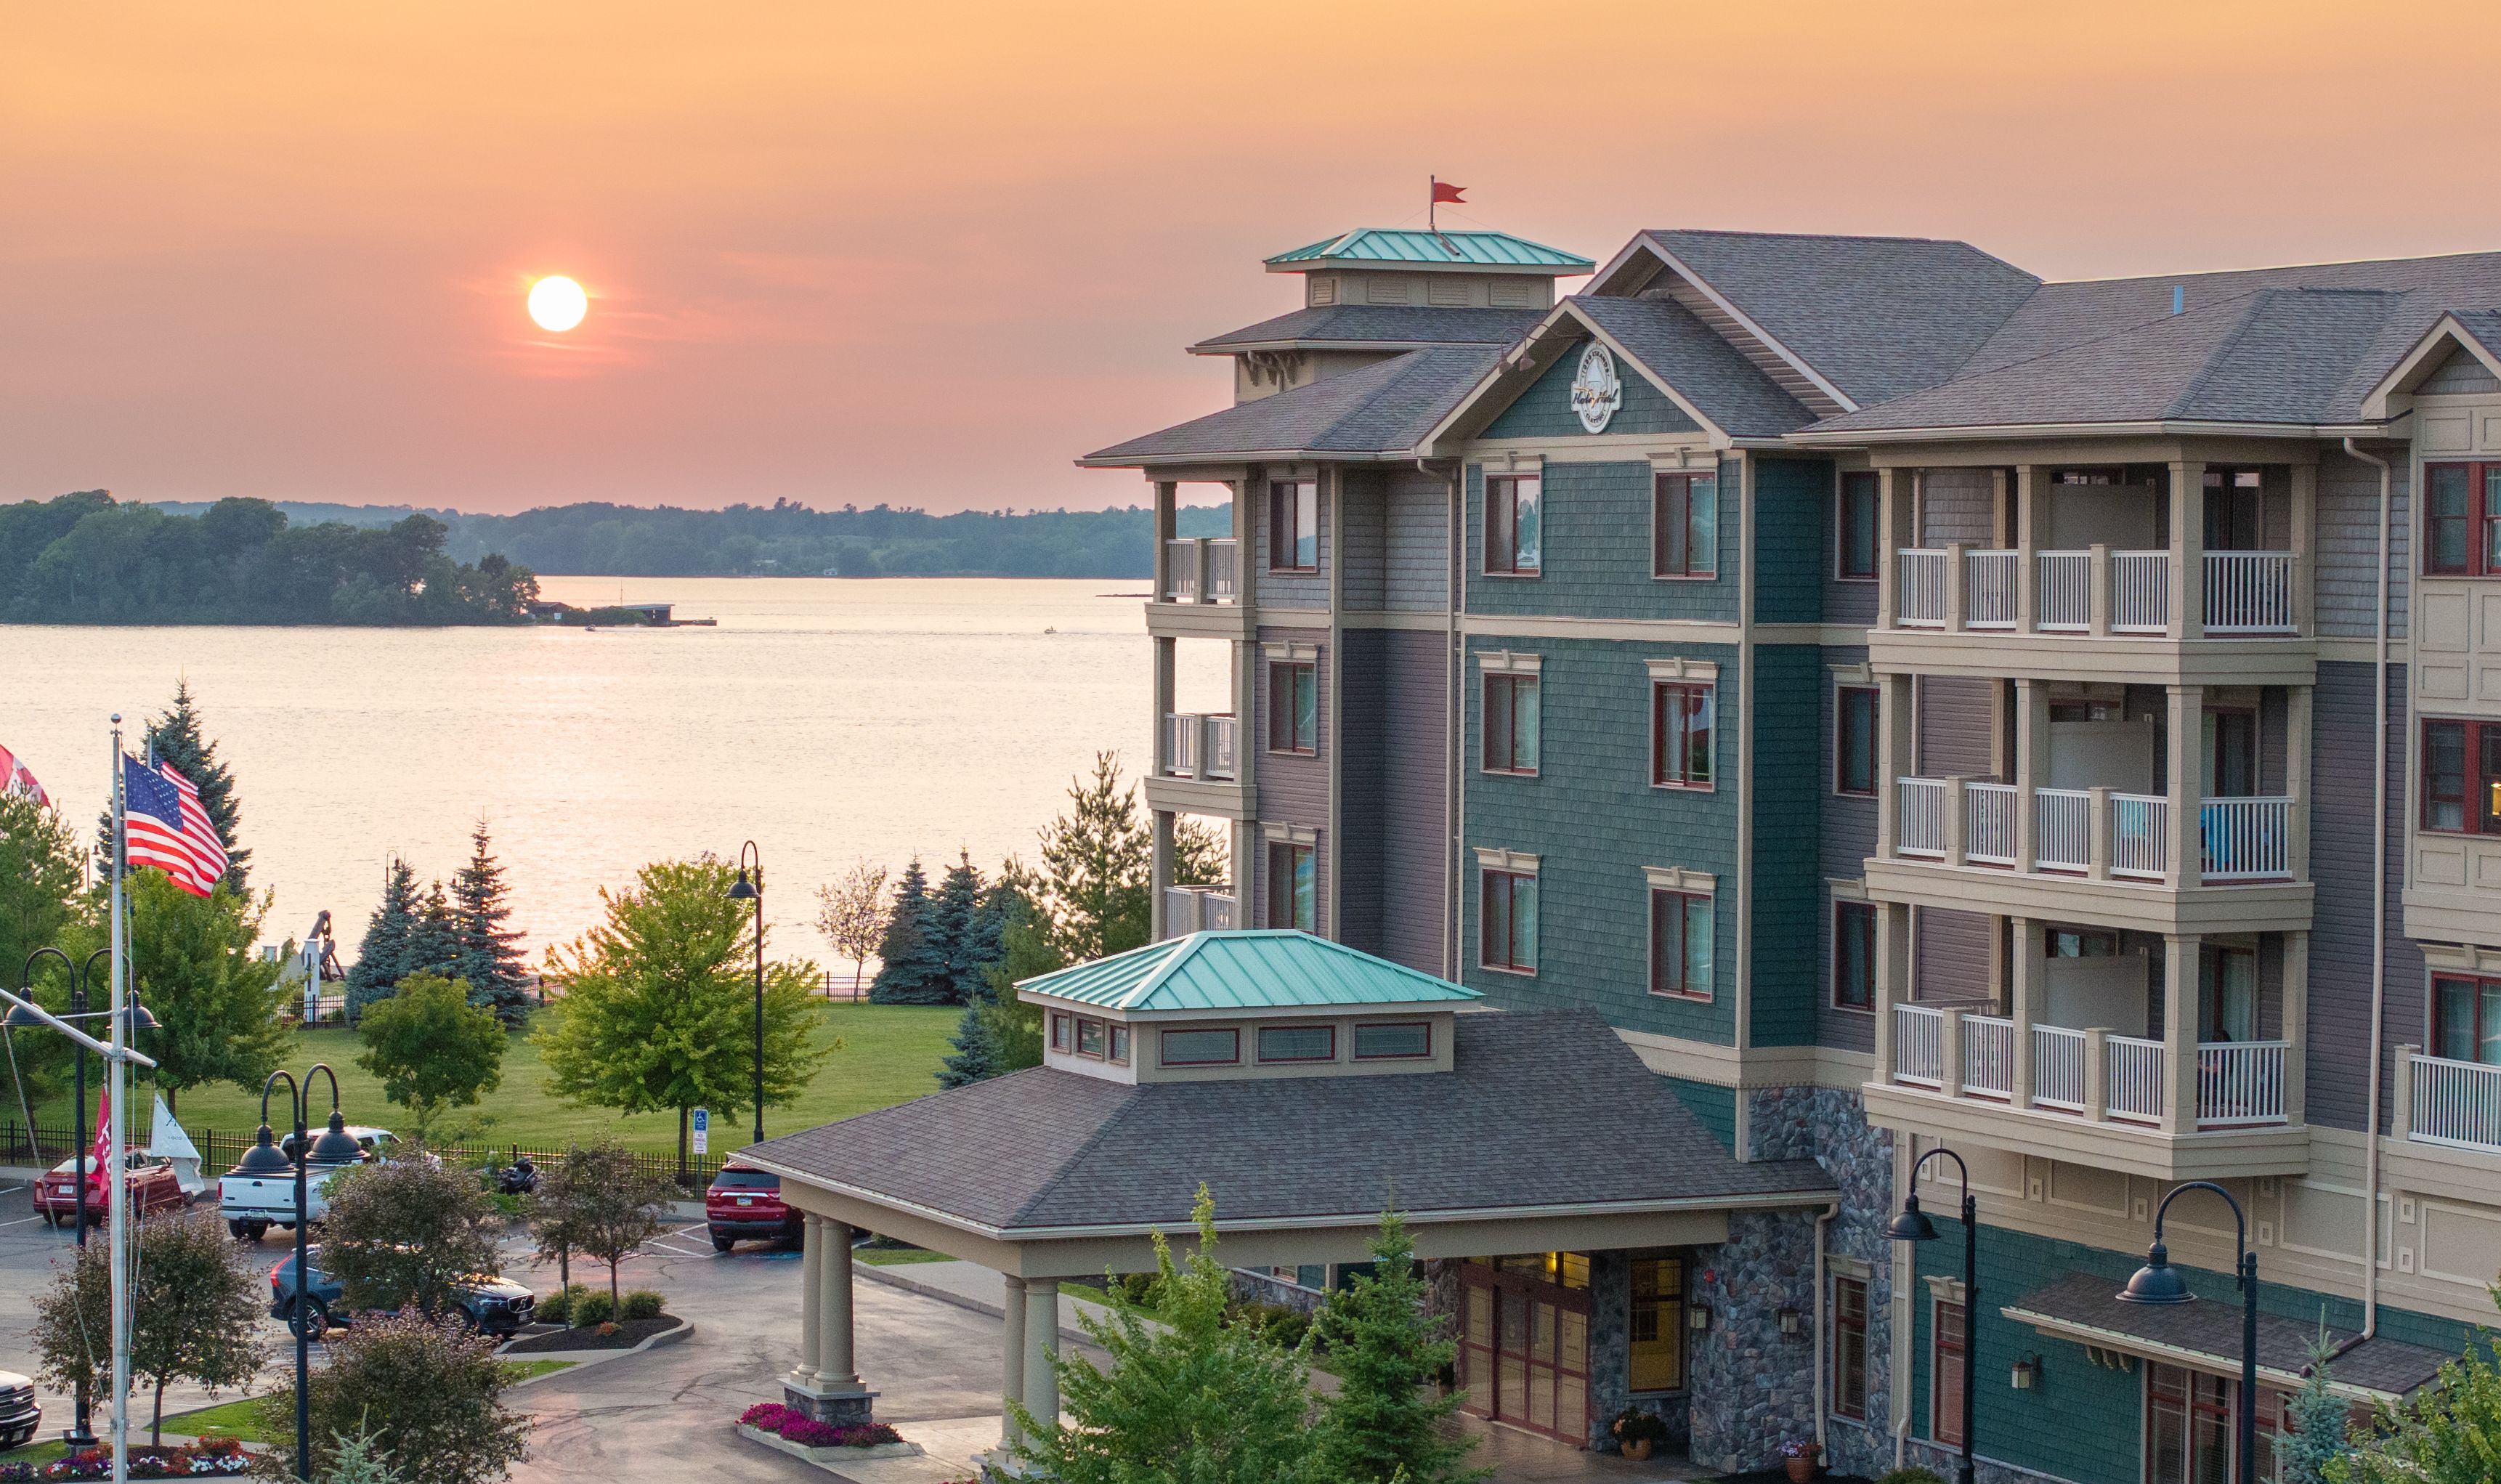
(977, 1051)
(2314, 1419)
(1384, 1423)
(1096, 869)
(434, 943)
(1024, 951)
(489, 954)
(911, 965)
(976, 945)
(949, 925)
(175, 737)
(382, 960)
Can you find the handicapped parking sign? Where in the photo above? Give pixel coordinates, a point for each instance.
(703, 1130)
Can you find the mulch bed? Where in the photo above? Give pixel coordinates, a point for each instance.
(625, 1336)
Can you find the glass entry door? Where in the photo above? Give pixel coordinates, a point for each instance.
(1524, 1343)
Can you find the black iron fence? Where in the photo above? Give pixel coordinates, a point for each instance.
(220, 1151)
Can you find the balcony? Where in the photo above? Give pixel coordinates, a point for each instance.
(2089, 832)
(2451, 1104)
(1200, 570)
(1191, 910)
(1199, 745)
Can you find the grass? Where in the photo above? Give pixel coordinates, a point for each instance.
(36, 1453)
(242, 1417)
(888, 1054)
(897, 1257)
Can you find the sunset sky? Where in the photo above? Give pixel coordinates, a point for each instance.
(928, 253)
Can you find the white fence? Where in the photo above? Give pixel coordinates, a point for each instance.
(2247, 839)
(1180, 572)
(1918, 1045)
(2140, 835)
(1924, 589)
(1198, 746)
(2140, 591)
(1222, 567)
(1191, 910)
(2457, 1103)
(2067, 593)
(2058, 1068)
(2062, 829)
(1988, 811)
(1923, 816)
(1989, 1056)
(2239, 1082)
(2249, 592)
(2134, 1081)
(1200, 570)
(1990, 595)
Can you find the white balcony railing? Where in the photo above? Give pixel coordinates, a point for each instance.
(2066, 591)
(2247, 839)
(2140, 592)
(2140, 835)
(1990, 589)
(2249, 592)
(1198, 746)
(1181, 571)
(1988, 812)
(1181, 745)
(1200, 570)
(2133, 1082)
(1923, 816)
(1222, 567)
(2058, 1068)
(1918, 1045)
(2062, 831)
(2457, 1103)
(1988, 1056)
(2240, 1084)
(1924, 587)
(1191, 910)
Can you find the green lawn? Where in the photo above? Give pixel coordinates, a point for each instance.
(898, 1257)
(242, 1417)
(888, 1054)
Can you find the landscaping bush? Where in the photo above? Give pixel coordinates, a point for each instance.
(221, 1458)
(1138, 1288)
(420, 1392)
(639, 1303)
(591, 1307)
(808, 1433)
(1281, 1325)
(558, 1307)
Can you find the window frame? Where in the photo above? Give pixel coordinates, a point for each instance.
(1354, 1041)
(1288, 851)
(1843, 697)
(1683, 958)
(2479, 522)
(1285, 707)
(1063, 1033)
(1510, 683)
(1660, 728)
(1512, 881)
(1509, 496)
(1856, 485)
(1118, 1050)
(1849, 1342)
(1164, 1035)
(1289, 502)
(1939, 1430)
(1102, 1039)
(1843, 910)
(2479, 777)
(1680, 485)
(2483, 987)
(1259, 1049)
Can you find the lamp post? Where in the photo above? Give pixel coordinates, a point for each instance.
(337, 1146)
(1914, 1225)
(2158, 1282)
(82, 1433)
(749, 888)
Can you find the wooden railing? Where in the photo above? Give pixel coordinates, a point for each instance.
(1199, 745)
(2240, 1084)
(2247, 839)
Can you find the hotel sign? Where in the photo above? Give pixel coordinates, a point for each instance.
(1597, 391)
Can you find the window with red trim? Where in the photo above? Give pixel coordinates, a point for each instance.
(2461, 776)
(1680, 735)
(2462, 521)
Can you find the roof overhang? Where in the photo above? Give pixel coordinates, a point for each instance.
(1624, 274)
(1131, 1015)
(1858, 438)
(2144, 1348)
(2417, 364)
(1206, 460)
(1384, 347)
(1536, 354)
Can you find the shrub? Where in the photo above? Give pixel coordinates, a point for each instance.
(1138, 1288)
(639, 1303)
(407, 1234)
(219, 1458)
(1912, 1477)
(558, 1307)
(1281, 1325)
(590, 1309)
(428, 1397)
(808, 1433)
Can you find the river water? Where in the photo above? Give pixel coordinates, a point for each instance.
(829, 720)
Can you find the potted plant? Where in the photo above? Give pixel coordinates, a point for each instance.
(1638, 1431)
(1799, 1457)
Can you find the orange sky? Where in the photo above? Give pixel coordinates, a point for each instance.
(928, 254)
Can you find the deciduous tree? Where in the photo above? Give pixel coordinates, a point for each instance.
(488, 952)
(597, 1202)
(432, 1049)
(850, 911)
(195, 1315)
(197, 968)
(2448, 1432)
(424, 1394)
(40, 880)
(402, 1235)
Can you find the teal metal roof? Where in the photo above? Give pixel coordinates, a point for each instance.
(1470, 249)
(1245, 971)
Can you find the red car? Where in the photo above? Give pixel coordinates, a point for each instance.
(153, 1188)
(748, 1203)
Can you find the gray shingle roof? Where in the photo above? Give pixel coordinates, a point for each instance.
(1377, 324)
(1379, 410)
(1045, 1148)
(2210, 1329)
(1704, 369)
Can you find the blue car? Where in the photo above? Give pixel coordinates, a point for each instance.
(489, 1304)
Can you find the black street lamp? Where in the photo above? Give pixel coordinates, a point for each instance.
(304, 1317)
(1914, 1225)
(81, 1433)
(2158, 1282)
(750, 888)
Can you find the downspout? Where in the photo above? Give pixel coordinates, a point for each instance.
(1822, 1220)
(1454, 675)
(2379, 912)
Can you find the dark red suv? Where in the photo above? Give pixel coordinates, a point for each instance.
(748, 1203)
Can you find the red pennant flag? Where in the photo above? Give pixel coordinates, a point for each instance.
(1447, 194)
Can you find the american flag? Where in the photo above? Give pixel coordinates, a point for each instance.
(166, 827)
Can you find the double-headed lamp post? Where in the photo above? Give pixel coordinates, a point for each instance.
(1914, 1225)
(2158, 1282)
(336, 1146)
(750, 888)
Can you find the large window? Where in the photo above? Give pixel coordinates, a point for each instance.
(1944, 1373)
(1294, 525)
(1393, 1040)
(2190, 1419)
(2466, 1018)
(1294, 707)
(1513, 534)
(1201, 1048)
(1293, 886)
(1656, 1339)
(1854, 955)
(2461, 776)
(1297, 1044)
(1854, 740)
(1680, 738)
(1685, 525)
(1849, 1347)
(1510, 723)
(1680, 945)
(1509, 912)
(2462, 519)
(1857, 548)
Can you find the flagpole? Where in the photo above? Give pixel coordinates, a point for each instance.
(1433, 205)
(116, 1161)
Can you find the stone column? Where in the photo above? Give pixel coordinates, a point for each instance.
(825, 1385)
(1012, 1360)
(1040, 1347)
(812, 1286)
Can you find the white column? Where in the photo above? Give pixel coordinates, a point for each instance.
(2187, 550)
(2032, 768)
(812, 1284)
(2185, 758)
(1892, 531)
(1012, 1360)
(2025, 995)
(1893, 978)
(2030, 480)
(1894, 758)
(1040, 1347)
(2295, 1013)
(2180, 991)
(836, 1370)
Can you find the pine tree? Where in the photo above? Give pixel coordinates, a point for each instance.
(911, 965)
(382, 960)
(976, 945)
(177, 737)
(2316, 1419)
(977, 1050)
(949, 923)
(489, 954)
(434, 943)
(1385, 1422)
(1097, 865)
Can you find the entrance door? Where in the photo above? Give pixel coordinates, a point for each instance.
(1524, 1352)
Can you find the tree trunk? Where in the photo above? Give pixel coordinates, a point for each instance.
(860, 966)
(156, 1420)
(615, 1303)
(681, 1147)
(173, 1099)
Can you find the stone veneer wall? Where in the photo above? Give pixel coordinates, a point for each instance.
(1753, 1388)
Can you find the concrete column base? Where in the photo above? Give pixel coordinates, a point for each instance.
(842, 1407)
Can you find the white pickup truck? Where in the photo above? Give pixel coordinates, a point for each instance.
(253, 1204)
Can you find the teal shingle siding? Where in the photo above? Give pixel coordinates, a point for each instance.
(1787, 802)
(1545, 408)
(1792, 505)
(1595, 550)
(1594, 821)
(1714, 1107)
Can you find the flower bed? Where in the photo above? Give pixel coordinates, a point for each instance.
(808, 1433)
(222, 1458)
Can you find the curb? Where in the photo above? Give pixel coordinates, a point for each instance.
(581, 1358)
(893, 1279)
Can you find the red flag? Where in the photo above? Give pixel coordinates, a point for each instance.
(101, 1155)
(1447, 194)
(17, 778)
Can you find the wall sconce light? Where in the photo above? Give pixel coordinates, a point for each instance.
(2027, 1373)
(1699, 1316)
(1792, 1323)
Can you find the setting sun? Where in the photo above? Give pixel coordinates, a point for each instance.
(558, 303)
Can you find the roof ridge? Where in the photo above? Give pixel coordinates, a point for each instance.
(1181, 948)
(2341, 262)
(1131, 1095)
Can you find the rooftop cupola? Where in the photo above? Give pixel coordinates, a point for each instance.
(1451, 270)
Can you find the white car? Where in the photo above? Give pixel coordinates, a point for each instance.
(19, 1417)
(252, 1203)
